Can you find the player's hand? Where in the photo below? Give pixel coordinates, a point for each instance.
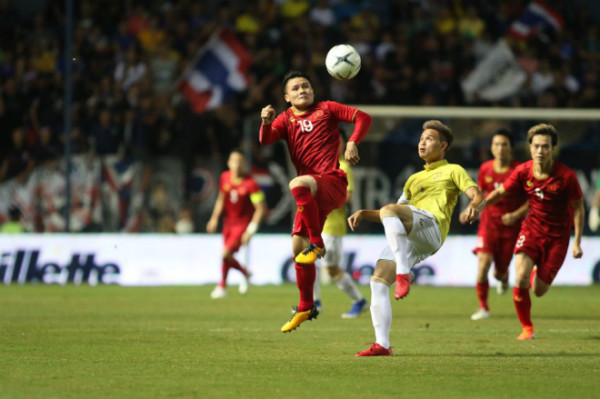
(267, 114)
(354, 220)
(508, 219)
(212, 225)
(351, 154)
(577, 252)
(469, 215)
(246, 238)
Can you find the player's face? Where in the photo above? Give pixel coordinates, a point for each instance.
(236, 163)
(431, 147)
(299, 93)
(500, 147)
(541, 148)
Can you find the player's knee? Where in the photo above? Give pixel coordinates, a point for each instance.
(540, 291)
(335, 272)
(387, 211)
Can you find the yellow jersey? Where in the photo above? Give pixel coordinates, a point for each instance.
(336, 224)
(436, 190)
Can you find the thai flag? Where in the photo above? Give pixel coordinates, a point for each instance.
(219, 71)
(537, 15)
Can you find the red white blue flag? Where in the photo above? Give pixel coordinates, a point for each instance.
(538, 15)
(218, 72)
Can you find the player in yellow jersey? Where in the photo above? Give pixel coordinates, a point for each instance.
(333, 232)
(416, 226)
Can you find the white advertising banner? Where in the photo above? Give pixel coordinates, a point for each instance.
(156, 259)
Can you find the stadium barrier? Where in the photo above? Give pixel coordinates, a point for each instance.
(155, 259)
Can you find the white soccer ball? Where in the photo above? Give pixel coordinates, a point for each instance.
(343, 62)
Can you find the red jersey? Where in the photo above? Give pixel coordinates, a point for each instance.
(550, 212)
(313, 138)
(238, 207)
(488, 181)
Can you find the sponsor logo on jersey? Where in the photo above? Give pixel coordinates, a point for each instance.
(489, 179)
(529, 183)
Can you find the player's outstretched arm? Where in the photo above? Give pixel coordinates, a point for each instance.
(355, 219)
(213, 223)
(578, 218)
(362, 123)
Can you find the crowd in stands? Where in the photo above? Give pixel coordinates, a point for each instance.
(127, 58)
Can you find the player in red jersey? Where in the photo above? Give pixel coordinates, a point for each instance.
(310, 130)
(499, 224)
(555, 206)
(244, 205)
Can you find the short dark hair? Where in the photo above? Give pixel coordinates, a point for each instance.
(545, 129)
(443, 130)
(292, 75)
(506, 132)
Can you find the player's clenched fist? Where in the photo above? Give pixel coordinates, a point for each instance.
(267, 114)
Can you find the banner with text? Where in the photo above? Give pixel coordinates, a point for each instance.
(156, 259)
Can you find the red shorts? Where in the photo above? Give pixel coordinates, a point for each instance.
(499, 243)
(331, 194)
(548, 253)
(232, 235)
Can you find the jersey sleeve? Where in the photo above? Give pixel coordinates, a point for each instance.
(344, 113)
(574, 192)
(513, 182)
(273, 132)
(256, 194)
(462, 179)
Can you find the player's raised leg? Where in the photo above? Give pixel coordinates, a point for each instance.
(304, 190)
(397, 222)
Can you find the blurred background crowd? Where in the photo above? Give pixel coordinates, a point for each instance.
(145, 161)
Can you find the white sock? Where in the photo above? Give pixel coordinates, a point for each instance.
(347, 284)
(381, 313)
(395, 233)
(317, 285)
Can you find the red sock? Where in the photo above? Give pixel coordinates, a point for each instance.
(522, 302)
(234, 264)
(309, 212)
(224, 272)
(305, 279)
(482, 290)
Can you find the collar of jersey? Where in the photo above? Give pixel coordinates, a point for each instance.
(436, 164)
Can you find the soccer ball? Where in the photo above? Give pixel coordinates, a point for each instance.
(343, 62)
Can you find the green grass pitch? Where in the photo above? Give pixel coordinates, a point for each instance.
(175, 342)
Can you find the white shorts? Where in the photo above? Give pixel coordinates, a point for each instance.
(333, 250)
(424, 239)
